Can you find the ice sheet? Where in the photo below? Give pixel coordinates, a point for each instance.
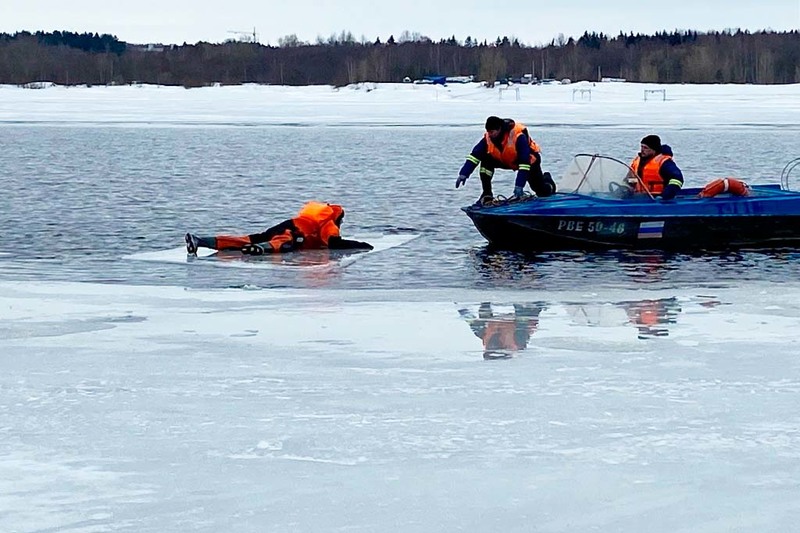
(304, 259)
(159, 408)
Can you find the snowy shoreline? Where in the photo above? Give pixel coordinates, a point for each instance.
(585, 104)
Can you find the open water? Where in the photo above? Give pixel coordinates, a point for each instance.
(78, 199)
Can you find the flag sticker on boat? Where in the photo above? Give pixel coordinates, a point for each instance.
(651, 230)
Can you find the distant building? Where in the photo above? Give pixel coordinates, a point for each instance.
(460, 79)
(149, 47)
(436, 80)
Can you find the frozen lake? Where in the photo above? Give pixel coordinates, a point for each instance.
(432, 386)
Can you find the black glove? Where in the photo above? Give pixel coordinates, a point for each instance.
(337, 243)
(253, 249)
(462, 179)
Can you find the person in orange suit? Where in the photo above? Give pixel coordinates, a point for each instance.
(316, 226)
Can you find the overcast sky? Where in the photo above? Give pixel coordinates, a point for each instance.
(532, 22)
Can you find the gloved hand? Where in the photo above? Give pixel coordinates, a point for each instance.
(462, 179)
(518, 192)
(255, 249)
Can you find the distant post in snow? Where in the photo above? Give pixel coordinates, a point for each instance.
(502, 89)
(653, 94)
(583, 93)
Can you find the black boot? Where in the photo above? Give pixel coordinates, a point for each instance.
(191, 243)
(486, 187)
(485, 199)
(545, 186)
(548, 185)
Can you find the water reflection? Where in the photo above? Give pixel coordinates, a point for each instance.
(564, 269)
(506, 328)
(651, 317)
(623, 268)
(503, 329)
(314, 268)
(309, 258)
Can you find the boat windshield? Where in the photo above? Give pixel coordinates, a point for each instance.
(595, 175)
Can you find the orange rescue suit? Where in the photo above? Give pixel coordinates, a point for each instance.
(317, 222)
(507, 154)
(651, 174)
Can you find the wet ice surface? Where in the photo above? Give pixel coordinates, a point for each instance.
(432, 386)
(152, 409)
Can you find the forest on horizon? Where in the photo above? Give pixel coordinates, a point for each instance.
(731, 56)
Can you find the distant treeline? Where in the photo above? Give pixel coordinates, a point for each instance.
(679, 57)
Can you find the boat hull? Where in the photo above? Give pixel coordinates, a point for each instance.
(576, 223)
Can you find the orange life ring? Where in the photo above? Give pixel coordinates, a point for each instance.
(721, 185)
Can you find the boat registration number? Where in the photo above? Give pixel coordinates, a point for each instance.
(591, 226)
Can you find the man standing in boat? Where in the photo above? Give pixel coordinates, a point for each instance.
(507, 144)
(657, 172)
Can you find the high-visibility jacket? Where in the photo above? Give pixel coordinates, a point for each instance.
(650, 174)
(506, 154)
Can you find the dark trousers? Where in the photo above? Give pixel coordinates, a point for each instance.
(274, 231)
(282, 237)
(537, 181)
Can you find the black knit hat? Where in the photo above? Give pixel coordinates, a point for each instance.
(653, 142)
(494, 123)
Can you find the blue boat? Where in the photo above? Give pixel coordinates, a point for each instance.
(595, 210)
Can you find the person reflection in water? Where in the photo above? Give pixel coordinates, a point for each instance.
(651, 317)
(503, 334)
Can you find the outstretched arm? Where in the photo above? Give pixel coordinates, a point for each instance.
(474, 158)
(337, 243)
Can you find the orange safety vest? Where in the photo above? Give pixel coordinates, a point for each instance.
(651, 174)
(317, 222)
(507, 154)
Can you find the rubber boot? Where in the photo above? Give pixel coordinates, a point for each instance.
(193, 242)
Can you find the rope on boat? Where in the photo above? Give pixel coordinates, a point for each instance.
(502, 200)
